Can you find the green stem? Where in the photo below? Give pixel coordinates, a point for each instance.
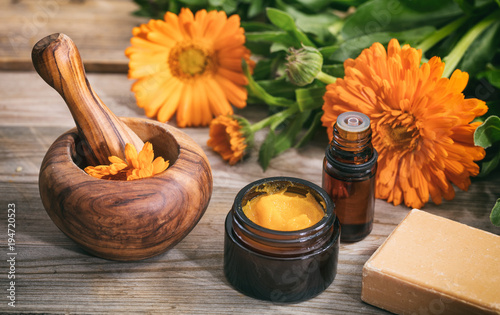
(261, 124)
(325, 78)
(451, 61)
(438, 35)
(274, 120)
(281, 116)
(258, 91)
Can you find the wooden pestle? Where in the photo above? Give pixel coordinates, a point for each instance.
(58, 62)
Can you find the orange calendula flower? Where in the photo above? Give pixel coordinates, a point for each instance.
(137, 165)
(230, 136)
(421, 122)
(189, 65)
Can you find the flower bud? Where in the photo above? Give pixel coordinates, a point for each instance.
(304, 64)
(230, 136)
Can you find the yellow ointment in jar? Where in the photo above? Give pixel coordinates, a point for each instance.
(284, 211)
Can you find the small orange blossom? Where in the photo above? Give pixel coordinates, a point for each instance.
(137, 165)
(227, 137)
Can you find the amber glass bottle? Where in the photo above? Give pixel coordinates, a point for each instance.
(349, 170)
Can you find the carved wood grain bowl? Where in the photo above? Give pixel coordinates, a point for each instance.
(127, 220)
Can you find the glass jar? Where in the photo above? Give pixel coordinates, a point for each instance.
(349, 169)
(281, 266)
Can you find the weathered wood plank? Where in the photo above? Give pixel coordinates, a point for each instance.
(55, 275)
(101, 30)
(21, 105)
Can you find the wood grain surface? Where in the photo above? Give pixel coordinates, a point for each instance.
(104, 26)
(54, 275)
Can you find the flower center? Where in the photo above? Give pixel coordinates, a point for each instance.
(399, 132)
(399, 136)
(188, 61)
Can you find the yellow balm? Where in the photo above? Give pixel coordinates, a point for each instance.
(284, 211)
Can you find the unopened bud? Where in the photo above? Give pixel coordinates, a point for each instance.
(304, 64)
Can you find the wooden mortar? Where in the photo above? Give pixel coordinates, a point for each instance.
(125, 220)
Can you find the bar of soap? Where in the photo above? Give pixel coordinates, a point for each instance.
(432, 265)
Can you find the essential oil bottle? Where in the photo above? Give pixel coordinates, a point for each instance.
(349, 170)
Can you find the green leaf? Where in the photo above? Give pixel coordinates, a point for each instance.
(495, 213)
(492, 75)
(351, 48)
(391, 16)
(282, 116)
(488, 133)
(251, 26)
(266, 151)
(345, 4)
(317, 24)
(316, 123)
(425, 5)
(155, 9)
(273, 37)
(281, 19)
(466, 5)
(286, 138)
(276, 47)
(229, 6)
(336, 70)
(280, 87)
(328, 50)
(256, 7)
(481, 51)
(464, 44)
(444, 46)
(493, 106)
(266, 36)
(313, 5)
(489, 166)
(258, 48)
(414, 35)
(255, 90)
(263, 69)
(310, 98)
(193, 3)
(285, 22)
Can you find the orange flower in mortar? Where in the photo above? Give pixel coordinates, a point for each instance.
(137, 165)
(189, 65)
(421, 122)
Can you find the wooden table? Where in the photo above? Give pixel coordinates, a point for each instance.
(53, 275)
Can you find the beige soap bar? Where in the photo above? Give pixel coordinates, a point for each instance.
(432, 265)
